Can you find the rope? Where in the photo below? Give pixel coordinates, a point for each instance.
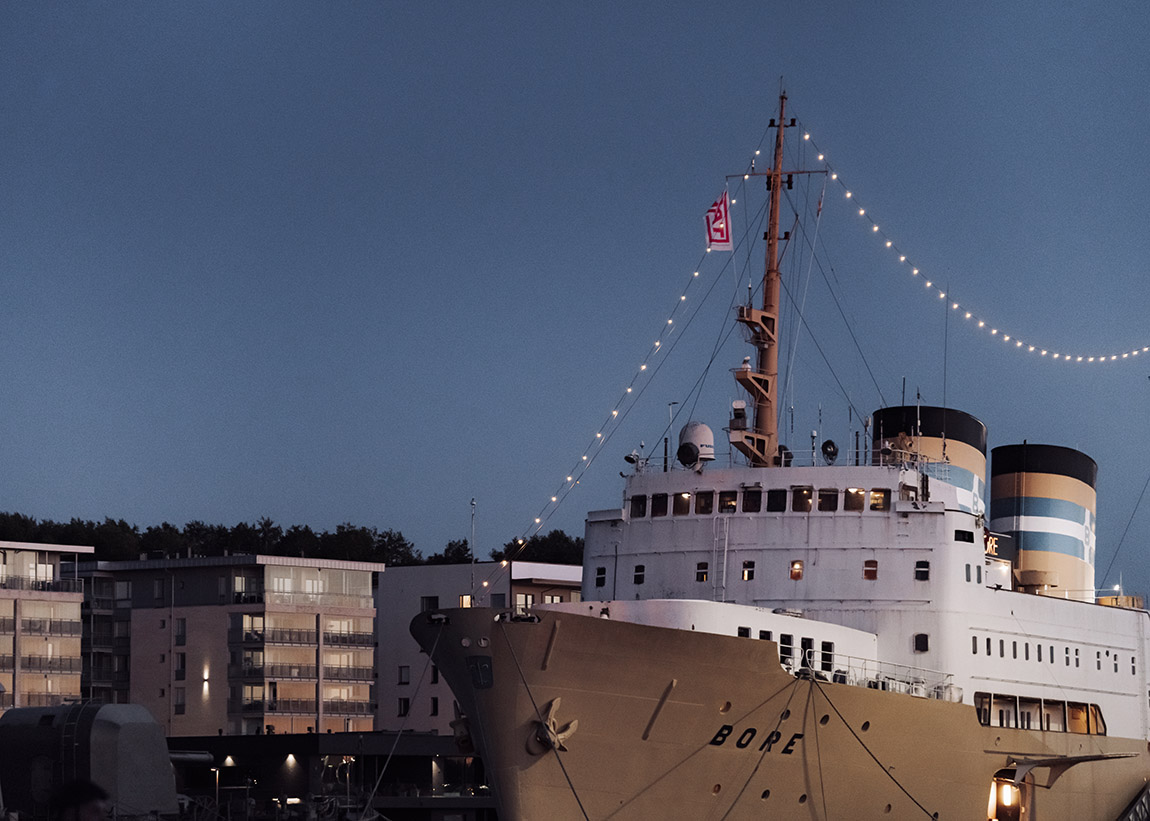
(539, 716)
(886, 772)
(1124, 532)
(402, 726)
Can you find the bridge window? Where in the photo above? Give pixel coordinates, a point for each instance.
(600, 576)
(744, 632)
(796, 570)
(870, 570)
(765, 635)
(640, 573)
(705, 502)
(748, 571)
(855, 499)
(964, 536)
(638, 507)
(728, 501)
(921, 642)
(701, 572)
(752, 500)
(802, 499)
(786, 647)
(880, 499)
(658, 504)
(776, 501)
(922, 571)
(682, 504)
(828, 656)
(828, 501)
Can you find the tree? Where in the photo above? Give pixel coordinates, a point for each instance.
(164, 541)
(556, 547)
(456, 552)
(298, 541)
(392, 548)
(115, 539)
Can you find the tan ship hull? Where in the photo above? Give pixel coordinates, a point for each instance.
(680, 724)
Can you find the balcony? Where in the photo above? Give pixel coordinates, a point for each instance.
(273, 671)
(100, 640)
(273, 635)
(105, 603)
(7, 663)
(50, 664)
(349, 673)
(349, 708)
(318, 600)
(49, 627)
(43, 585)
(7, 626)
(44, 699)
(349, 639)
(277, 705)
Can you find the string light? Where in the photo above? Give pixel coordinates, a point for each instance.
(969, 315)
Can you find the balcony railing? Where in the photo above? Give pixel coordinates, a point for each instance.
(7, 662)
(319, 599)
(45, 585)
(279, 671)
(349, 639)
(277, 705)
(44, 699)
(353, 708)
(273, 635)
(349, 673)
(7, 625)
(50, 664)
(100, 603)
(50, 627)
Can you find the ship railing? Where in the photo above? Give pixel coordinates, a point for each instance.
(876, 675)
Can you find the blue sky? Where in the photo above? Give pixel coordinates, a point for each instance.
(365, 261)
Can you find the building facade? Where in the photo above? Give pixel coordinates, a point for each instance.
(238, 645)
(39, 625)
(410, 693)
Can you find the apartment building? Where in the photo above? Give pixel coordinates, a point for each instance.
(245, 644)
(410, 692)
(39, 625)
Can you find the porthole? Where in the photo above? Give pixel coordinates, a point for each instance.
(865, 726)
(803, 798)
(465, 642)
(786, 714)
(823, 721)
(766, 794)
(483, 641)
(715, 790)
(887, 809)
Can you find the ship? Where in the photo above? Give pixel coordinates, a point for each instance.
(819, 638)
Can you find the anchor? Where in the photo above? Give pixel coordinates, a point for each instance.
(547, 734)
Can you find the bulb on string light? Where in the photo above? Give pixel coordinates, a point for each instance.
(806, 136)
(696, 273)
(848, 195)
(568, 478)
(874, 228)
(834, 176)
(888, 243)
(928, 283)
(614, 413)
(968, 314)
(643, 367)
(902, 258)
(554, 498)
(862, 211)
(914, 271)
(683, 298)
(756, 152)
(954, 306)
(628, 390)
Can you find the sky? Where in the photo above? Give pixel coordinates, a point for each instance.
(367, 261)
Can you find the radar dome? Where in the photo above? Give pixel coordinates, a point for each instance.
(696, 445)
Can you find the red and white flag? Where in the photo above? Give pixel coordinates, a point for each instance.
(719, 225)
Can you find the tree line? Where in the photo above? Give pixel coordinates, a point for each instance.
(116, 539)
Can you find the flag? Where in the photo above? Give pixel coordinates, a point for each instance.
(719, 225)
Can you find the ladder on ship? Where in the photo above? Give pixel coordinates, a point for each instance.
(1139, 809)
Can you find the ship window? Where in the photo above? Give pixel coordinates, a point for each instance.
(1014, 649)
(807, 650)
(870, 570)
(638, 506)
(776, 501)
(968, 572)
(988, 645)
(1098, 659)
(640, 573)
(786, 646)
(1029, 713)
(880, 499)
(434, 674)
(964, 536)
(1002, 648)
(465, 600)
(974, 645)
(796, 570)
(701, 572)
(1052, 654)
(982, 707)
(1026, 652)
(828, 500)
(802, 499)
(1076, 660)
(828, 656)
(748, 571)
(705, 502)
(1054, 716)
(921, 642)
(1067, 656)
(682, 504)
(1097, 724)
(922, 571)
(600, 576)
(752, 500)
(978, 573)
(1039, 646)
(434, 705)
(1077, 718)
(765, 635)
(1133, 666)
(1007, 709)
(744, 632)
(855, 498)
(728, 501)
(658, 504)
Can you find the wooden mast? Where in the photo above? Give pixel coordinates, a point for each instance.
(761, 444)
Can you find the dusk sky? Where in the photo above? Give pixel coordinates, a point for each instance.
(365, 261)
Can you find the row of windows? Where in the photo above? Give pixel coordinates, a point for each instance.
(997, 710)
(702, 571)
(802, 500)
(1111, 658)
(404, 707)
(405, 674)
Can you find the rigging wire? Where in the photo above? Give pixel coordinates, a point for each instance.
(1129, 522)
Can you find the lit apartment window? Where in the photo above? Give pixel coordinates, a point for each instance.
(404, 674)
(748, 571)
(796, 570)
(465, 600)
(870, 570)
(600, 576)
(403, 708)
(701, 572)
(523, 602)
(552, 598)
(640, 573)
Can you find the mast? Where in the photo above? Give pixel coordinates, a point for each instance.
(761, 444)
